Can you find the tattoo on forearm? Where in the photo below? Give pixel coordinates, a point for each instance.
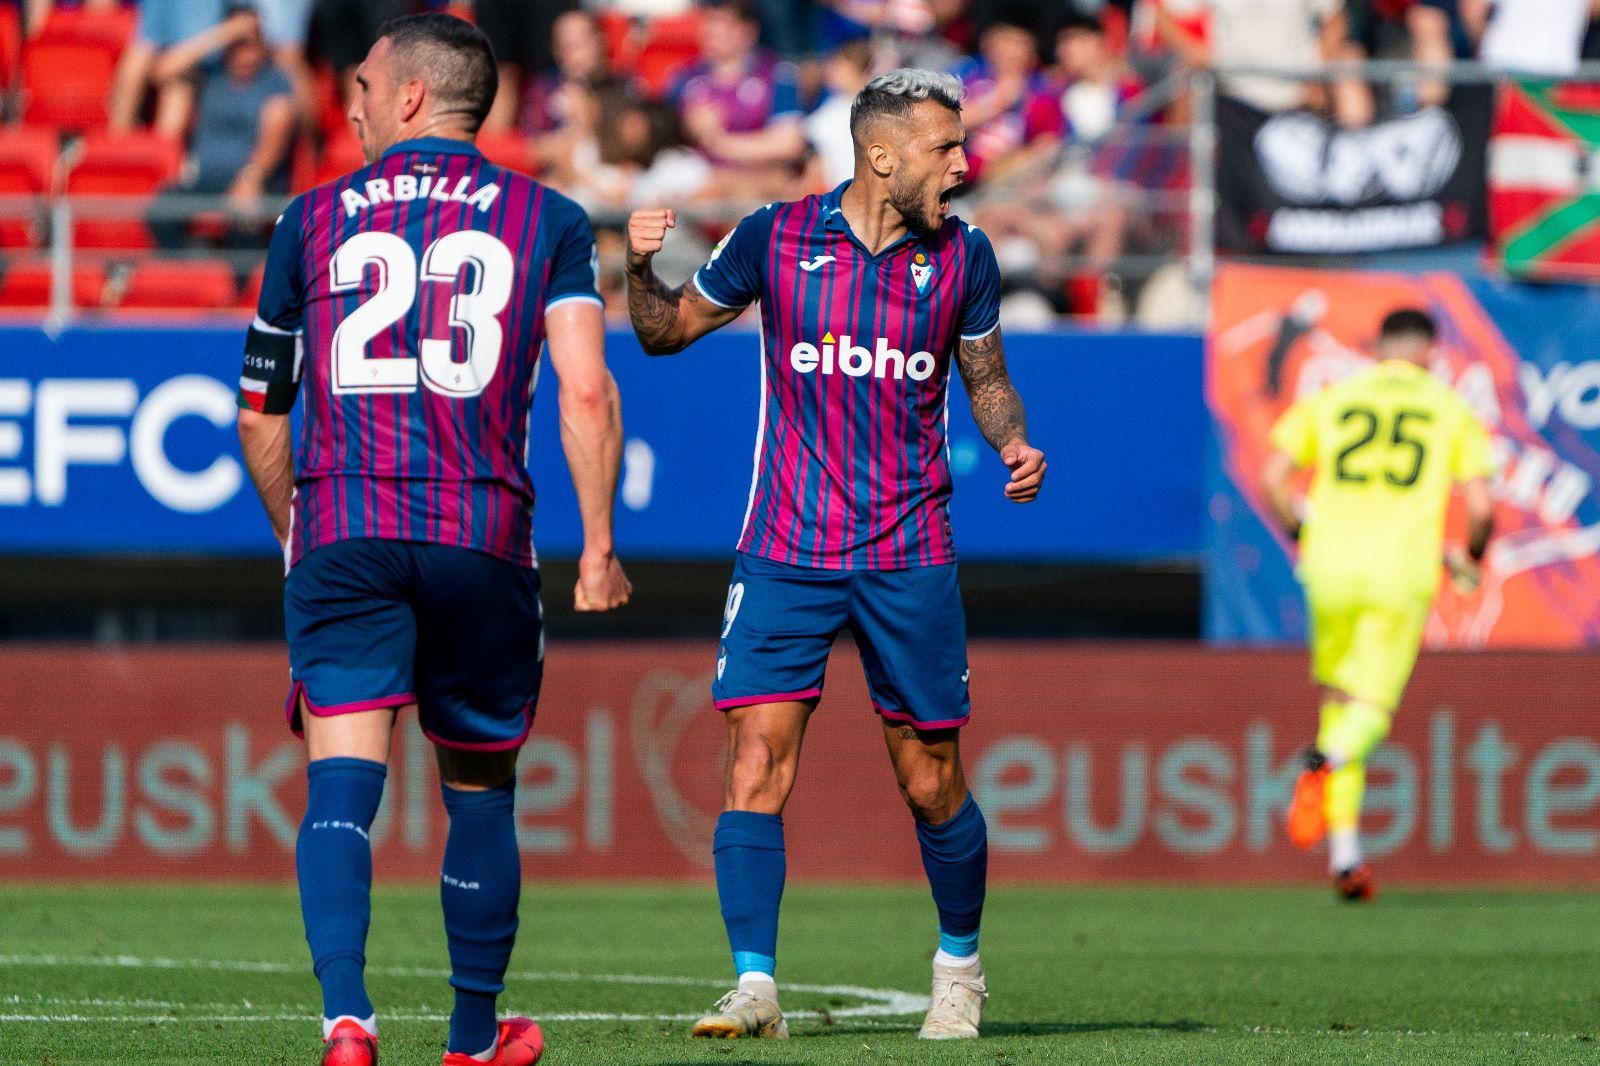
(996, 407)
(654, 309)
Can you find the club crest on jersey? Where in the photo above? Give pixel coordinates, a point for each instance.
(921, 272)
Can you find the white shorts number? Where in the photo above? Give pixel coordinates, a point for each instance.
(731, 610)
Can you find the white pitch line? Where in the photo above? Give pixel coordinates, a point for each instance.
(883, 1002)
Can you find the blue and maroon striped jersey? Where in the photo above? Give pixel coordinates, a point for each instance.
(410, 300)
(852, 467)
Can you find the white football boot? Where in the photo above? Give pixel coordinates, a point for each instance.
(957, 1006)
(742, 1014)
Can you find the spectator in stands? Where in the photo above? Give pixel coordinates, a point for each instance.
(578, 51)
(286, 25)
(1543, 37)
(1093, 84)
(521, 33)
(633, 156)
(845, 73)
(1427, 31)
(1012, 117)
(244, 128)
(922, 33)
(1291, 35)
(163, 24)
(346, 29)
(739, 104)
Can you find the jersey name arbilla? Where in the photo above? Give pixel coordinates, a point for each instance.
(851, 467)
(407, 301)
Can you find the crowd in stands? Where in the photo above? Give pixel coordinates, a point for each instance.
(184, 123)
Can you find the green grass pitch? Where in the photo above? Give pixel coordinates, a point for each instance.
(1102, 975)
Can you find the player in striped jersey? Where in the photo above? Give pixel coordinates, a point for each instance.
(867, 294)
(408, 303)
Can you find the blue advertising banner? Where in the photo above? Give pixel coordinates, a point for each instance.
(1518, 354)
(121, 440)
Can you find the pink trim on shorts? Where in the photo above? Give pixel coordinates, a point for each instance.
(297, 693)
(901, 716)
(487, 745)
(776, 697)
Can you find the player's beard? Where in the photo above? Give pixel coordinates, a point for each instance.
(909, 200)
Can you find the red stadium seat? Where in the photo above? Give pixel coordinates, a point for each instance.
(250, 291)
(510, 150)
(67, 83)
(617, 29)
(10, 45)
(189, 284)
(122, 171)
(76, 25)
(340, 157)
(670, 43)
(26, 285)
(27, 169)
(332, 122)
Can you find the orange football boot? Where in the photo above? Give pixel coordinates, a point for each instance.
(1308, 820)
(1356, 885)
(520, 1044)
(349, 1045)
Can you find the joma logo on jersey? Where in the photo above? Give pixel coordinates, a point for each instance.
(858, 361)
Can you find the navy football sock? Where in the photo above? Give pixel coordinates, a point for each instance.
(955, 855)
(748, 849)
(333, 858)
(479, 888)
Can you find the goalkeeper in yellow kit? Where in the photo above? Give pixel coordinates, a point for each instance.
(1386, 447)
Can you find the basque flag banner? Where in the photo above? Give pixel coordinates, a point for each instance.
(1544, 181)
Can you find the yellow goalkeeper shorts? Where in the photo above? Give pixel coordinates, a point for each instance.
(1363, 646)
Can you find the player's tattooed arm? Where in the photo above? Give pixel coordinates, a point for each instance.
(997, 409)
(667, 319)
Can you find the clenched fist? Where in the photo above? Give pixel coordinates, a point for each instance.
(647, 231)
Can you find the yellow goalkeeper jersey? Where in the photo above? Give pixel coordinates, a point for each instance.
(1386, 447)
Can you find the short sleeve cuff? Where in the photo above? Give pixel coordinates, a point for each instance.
(699, 283)
(573, 297)
(979, 334)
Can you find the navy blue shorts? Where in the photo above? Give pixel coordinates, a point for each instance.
(383, 623)
(781, 621)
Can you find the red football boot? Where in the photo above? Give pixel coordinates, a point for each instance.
(349, 1045)
(520, 1044)
(1356, 885)
(1308, 821)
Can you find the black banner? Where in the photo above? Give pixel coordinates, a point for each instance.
(1295, 183)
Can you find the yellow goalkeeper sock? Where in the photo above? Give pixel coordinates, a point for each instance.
(1342, 796)
(1357, 729)
(1328, 722)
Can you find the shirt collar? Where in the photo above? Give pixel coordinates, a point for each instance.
(833, 219)
(434, 146)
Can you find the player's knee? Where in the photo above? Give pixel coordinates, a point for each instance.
(758, 774)
(475, 769)
(933, 792)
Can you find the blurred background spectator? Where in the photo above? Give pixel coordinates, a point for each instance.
(740, 105)
(1428, 31)
(845, 73)
(521, 32)
(1297, 35)
(244, 126)
(163, 24)
(1530, 36)
(1013, 118)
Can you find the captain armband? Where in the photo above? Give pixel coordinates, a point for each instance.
(271, 375)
